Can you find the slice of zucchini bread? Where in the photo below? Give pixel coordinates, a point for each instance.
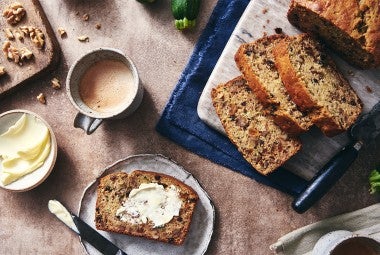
(256, 62)
(261, 142)
(316, 85)
(350, 27)
(146, 204)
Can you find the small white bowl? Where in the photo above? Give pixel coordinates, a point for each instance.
(36, 177)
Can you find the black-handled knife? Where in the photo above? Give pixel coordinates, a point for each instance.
(86, 232)
(364, 131)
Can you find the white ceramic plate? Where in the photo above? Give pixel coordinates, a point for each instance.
(202, 224)
(35, 178)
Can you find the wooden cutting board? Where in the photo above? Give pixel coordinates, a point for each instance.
(264, 16)
(44, 59)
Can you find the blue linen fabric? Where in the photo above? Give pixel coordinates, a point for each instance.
(180, 122)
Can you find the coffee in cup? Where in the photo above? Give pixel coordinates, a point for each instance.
(103, 84)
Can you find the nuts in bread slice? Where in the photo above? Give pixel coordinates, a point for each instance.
(315, 84)
(114, 192)
(256, 62)
(261, 142)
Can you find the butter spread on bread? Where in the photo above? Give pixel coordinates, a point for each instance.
(114, 191)
(151, 201)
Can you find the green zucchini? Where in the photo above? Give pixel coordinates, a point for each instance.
(185, 13)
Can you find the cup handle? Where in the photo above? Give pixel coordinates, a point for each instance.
(87, 123)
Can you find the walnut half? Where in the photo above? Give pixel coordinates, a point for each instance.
(17, 55)
(14, 13)
(35, 34)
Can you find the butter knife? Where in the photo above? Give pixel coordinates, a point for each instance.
(86, 232)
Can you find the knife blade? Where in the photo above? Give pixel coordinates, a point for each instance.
(86, 232)
(363, 132)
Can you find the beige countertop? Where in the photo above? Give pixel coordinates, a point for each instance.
(249, 216)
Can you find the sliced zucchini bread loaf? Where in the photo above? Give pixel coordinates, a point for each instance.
(146, 204)
(315, 84)
(261, 142)
(256, 62)
(350, 27)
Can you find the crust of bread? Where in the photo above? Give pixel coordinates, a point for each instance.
(261, 142)
(294, 85)
(281, 117)
(300, 94)
(113, 190)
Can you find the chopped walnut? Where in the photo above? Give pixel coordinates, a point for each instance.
(17, 55)
(11, 52)
(62, 32)
(19, 35)
(55, 83)
(2, 70)
(98, 26)
(83, 38)
(41, 98)
(86, 17)
(25, 53)
(14, 13)
(35, 34)
(9, 34)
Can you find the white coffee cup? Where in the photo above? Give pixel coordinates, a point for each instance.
(342, 242)
(83, 73)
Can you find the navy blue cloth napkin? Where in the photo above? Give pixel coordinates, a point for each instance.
(180, 122)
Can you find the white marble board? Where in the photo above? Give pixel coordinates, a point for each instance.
(261, 17)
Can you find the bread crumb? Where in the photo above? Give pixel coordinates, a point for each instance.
(41, 98)
(369, 90)
(2, 70)
(265, 10)
(83, 38)
(62, 32)
(55, 83)
(86, 17)
(278, 30)
(14, 13)
(98, 26)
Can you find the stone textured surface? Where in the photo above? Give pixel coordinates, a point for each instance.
(250, 216)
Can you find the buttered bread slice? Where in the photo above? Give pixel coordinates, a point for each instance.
(315, 84)
(256, 62)
(145, 204)
(261, 142)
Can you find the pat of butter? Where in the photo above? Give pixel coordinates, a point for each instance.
(151, 201)
(23, 148)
